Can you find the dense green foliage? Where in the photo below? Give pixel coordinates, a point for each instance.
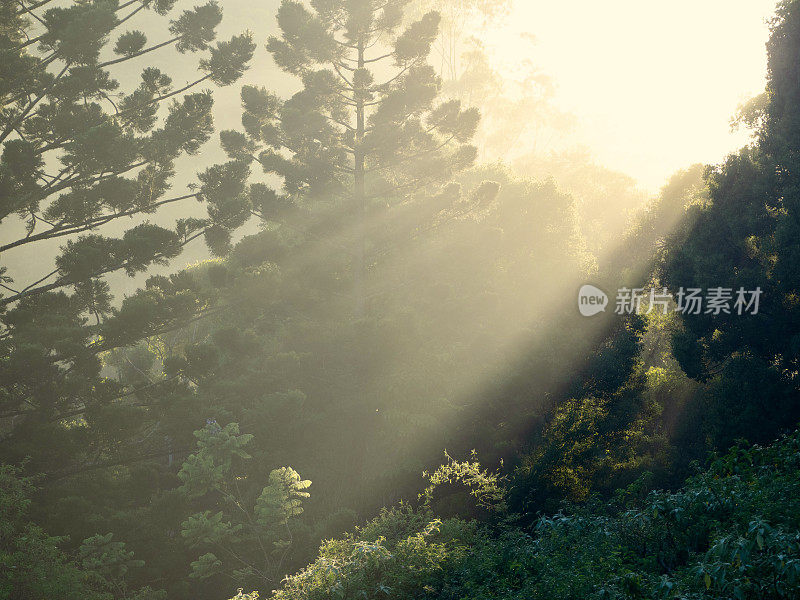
(746, 235)
(33, 566)
(733, 531)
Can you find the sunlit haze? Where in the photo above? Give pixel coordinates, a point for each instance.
(652, 84)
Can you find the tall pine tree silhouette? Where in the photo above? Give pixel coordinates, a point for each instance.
(366, 132)
(82, 152)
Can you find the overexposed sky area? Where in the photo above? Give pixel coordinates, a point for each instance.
(652, 84)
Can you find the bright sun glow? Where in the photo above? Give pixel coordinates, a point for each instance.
(652, 84)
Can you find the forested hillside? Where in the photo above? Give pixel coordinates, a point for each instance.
(377, 383)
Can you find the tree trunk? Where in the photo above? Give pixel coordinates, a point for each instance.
(360, 198)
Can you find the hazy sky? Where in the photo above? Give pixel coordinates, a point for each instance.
(653, 84)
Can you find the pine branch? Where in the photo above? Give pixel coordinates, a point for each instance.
(132, 13)
(32, 7)
(59, 230)
(345, 79)
(18, 121)
(65, 281)
(378, 58)
(42, 64)
(412, 156)
(139, 53)
(51, 189)
(58, 144)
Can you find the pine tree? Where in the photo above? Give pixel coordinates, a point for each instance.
(80, 152)
(366, 132)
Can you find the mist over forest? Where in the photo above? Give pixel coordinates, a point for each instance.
(399, 299)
